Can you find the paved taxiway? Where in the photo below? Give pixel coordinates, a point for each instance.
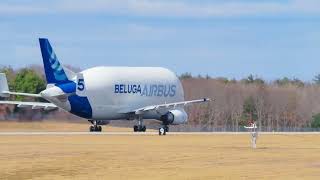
(150, 133)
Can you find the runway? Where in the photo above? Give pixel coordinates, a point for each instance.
(21, 133)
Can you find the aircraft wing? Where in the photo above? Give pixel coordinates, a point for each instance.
(169, 105)
(33, 105)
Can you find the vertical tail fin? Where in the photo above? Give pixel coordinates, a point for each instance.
(54, 71)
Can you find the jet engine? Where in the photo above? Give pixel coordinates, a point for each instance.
(175, 117)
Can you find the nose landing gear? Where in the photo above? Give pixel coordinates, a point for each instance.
(163, 130)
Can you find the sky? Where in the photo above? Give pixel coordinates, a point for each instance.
(221, 38)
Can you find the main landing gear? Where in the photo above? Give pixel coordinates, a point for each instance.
(95, 127)
(140, 127)
(163, 130)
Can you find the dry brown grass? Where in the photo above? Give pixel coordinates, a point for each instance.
(52, 126)
(159, 157)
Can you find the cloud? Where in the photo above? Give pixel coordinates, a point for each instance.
(221, 9)
(168, 8)
(6, 9)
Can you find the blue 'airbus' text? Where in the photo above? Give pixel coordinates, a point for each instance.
(146, 90)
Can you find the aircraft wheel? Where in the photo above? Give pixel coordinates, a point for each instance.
(162, 131)
(95, 128)
(143, 128)
(135, 128)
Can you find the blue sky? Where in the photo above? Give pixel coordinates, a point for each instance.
(229, 38)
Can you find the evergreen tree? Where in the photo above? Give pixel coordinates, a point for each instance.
(28, 81)
(249, 113)
(315, 121)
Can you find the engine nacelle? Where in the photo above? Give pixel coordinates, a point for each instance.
(175, 117)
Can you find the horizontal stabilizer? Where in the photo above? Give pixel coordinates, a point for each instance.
(4, 89)
(33, 105)
(22, 94)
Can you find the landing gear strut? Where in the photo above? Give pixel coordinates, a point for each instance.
(95, 127)
(163, 130)
(140, 127)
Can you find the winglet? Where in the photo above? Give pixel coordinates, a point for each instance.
(4, 89)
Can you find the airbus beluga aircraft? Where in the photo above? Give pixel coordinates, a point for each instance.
(109, 93)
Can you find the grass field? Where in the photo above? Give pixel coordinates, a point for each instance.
(52, 126)
(159, 157)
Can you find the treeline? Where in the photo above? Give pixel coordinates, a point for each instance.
(284, 102)
(251, 79)
(273, 105)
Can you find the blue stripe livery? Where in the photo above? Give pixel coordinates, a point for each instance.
(53, 69)
(68, 87)
(55, 74)
(80, 106)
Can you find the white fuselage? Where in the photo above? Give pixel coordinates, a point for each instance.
(114, 91)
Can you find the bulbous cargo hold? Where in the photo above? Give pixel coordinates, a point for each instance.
(116, 88)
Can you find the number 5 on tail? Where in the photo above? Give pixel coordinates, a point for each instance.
(80, 84)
